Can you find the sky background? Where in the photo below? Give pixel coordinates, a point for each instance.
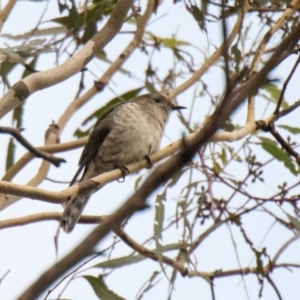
(29, 250)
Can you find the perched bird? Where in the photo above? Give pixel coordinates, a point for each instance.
(126, 133)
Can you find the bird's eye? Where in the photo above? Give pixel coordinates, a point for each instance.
(157, 100)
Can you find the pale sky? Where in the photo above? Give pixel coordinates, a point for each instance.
(29, 250)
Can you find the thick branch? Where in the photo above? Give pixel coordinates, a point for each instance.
(46, 216)
(38, 81)
(5, 12)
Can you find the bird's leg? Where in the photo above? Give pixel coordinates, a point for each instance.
(124, 171)
(150, 164)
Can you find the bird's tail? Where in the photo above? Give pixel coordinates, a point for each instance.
(72, 212)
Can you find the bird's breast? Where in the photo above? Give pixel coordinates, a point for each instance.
(134, 134)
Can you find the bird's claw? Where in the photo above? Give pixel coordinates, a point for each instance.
(150, 164)
(124, 171)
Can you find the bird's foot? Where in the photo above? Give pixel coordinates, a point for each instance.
(149, 161)
(124, 171)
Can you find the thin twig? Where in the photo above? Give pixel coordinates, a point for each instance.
(270, 127)
(5, 274)
(285, 246)
(285, 112)
(285, 86)
(213, 296)
(74, 271)
(17, 135)
(284, 144)
(274, 286)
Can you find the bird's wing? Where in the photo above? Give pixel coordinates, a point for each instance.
(95, 141)
(98, 135)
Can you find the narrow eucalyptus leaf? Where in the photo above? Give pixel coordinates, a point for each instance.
(101, 289)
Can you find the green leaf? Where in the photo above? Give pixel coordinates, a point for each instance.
(176, 177)
(101, 289)
(293, 130)
(259, 263)
(102, 55)
(172, 280)
(18, 116)
(274, 94)
(183, 206)
(272, 148)
(166, 42)
(51, 31)
(5, 68)
(173, 43)
(82, 133)
(94, 12)
(185, 124)
(229, 126)
(149, 71)
(149, 286)
(223, 156)
(74, 16)
(198, 15)
(158, 228)
(10, 158)
(71, 21)
(132, 259)
(19, 53)
(32, 65)
(184, 253)
(120, 262)
(294, 221)
(62, 6)
(159, 215)
(12, 55)
(89, 32)
(236, 52)
(150, 87)
(159, 253)
(35, 43)
(137, 182)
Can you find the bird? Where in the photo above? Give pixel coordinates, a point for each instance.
(124, 134)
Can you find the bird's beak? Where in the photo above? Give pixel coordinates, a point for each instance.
(176, 107)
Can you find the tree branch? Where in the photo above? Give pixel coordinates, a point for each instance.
(211, 60)
(35, 151)
(27, 157)
(294, 5)
(5, 12)
(21, 90)
(51, 137)
(46, 216)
